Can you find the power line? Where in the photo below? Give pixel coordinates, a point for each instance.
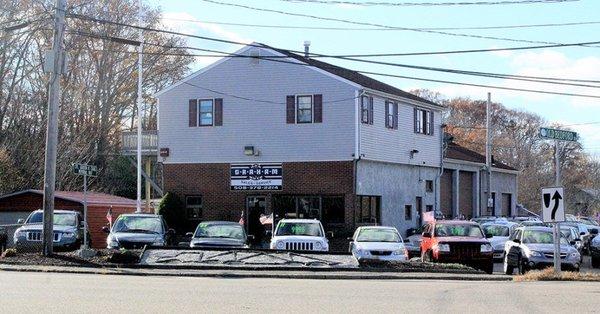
(376, 24)
(485, 74)
(275, 26)
(327, 66)
(427, 4)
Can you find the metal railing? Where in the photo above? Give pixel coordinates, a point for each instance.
(149, 142)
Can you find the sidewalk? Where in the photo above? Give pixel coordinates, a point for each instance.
(304, 274)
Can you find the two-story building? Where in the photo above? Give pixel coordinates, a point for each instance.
(301, 138)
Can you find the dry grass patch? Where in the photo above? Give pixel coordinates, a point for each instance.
(549, 275)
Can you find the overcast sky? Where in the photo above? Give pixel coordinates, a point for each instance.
(568, 62)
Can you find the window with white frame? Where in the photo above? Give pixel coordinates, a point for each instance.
(193, 206)
(304, 108)
(423, 121)
(391, 114)
(205, 112)
(366, 107)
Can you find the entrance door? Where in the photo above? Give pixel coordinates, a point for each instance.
(255, 207)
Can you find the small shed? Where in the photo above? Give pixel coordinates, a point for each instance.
(20, 204)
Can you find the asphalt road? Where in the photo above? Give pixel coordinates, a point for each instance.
(22, 292)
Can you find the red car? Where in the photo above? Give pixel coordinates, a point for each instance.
(457, 241)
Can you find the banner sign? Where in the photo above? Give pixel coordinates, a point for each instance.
(256, 177)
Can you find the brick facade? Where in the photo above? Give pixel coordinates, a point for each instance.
(212, 182)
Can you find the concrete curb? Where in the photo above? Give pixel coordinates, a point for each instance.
(304, 274)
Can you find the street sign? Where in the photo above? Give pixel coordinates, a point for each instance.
(560, 135)
(553, 204)
(85, 170)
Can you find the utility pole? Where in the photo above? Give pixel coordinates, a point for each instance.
(138, 207)
(52, 126)
(488, 155)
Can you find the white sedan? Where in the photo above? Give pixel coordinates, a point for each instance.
(378, 244)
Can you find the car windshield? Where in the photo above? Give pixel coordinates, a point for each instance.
(62, 219)
(496, 230)
(457, 230)
(299, 229)
(139, 224)
(540, 237)
(229, 231)
(378, 235)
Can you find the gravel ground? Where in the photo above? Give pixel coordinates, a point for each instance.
(106, 258)
(103, 258)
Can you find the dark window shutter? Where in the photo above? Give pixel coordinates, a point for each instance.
(290, 102)
(193, 113)
(370, 110)
(415, 122)
(318, 108)
(395, 116)
(218, 111)
(387, 113)
(431, 124)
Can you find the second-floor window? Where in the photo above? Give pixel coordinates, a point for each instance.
(304, 107)
(366, 110)
(391, 115)
(205, 112)
(423, 121)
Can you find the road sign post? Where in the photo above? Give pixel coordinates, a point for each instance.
(553, 198)
(85, 171)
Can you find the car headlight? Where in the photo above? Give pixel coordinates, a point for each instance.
(486, 248)
(158, 243)
(112, 242)
(400, 252)
(442, 247)
(318, 245)
(535, 254)
(575, 255)
(18, 234)
(280, 245)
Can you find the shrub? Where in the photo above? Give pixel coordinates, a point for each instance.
(172, 210)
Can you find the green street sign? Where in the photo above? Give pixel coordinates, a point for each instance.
(83, 169)
(561, 135)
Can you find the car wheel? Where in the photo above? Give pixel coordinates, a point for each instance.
(489, 268)
(595, 262)
(508, 269)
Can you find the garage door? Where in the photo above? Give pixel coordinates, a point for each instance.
(465, 201)
(446, 193)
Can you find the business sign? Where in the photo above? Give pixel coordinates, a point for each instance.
(553, 205)
(561, 135)
(85, 170)
(256, 177)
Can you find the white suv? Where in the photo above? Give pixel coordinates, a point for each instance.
(299, 235)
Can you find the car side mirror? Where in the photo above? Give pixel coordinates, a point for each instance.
(189, 234)
(171, 231)
(329, 234)
(426, 235)
(21, 221)
(573, 242)
(106, 229)
(489, 235)
(582, 233)
(349, 239)
(594, 231)
(517, 241)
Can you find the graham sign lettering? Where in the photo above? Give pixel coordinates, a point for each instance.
(256, 177)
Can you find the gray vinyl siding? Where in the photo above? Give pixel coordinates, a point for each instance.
(383, 144)
(260, 124)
